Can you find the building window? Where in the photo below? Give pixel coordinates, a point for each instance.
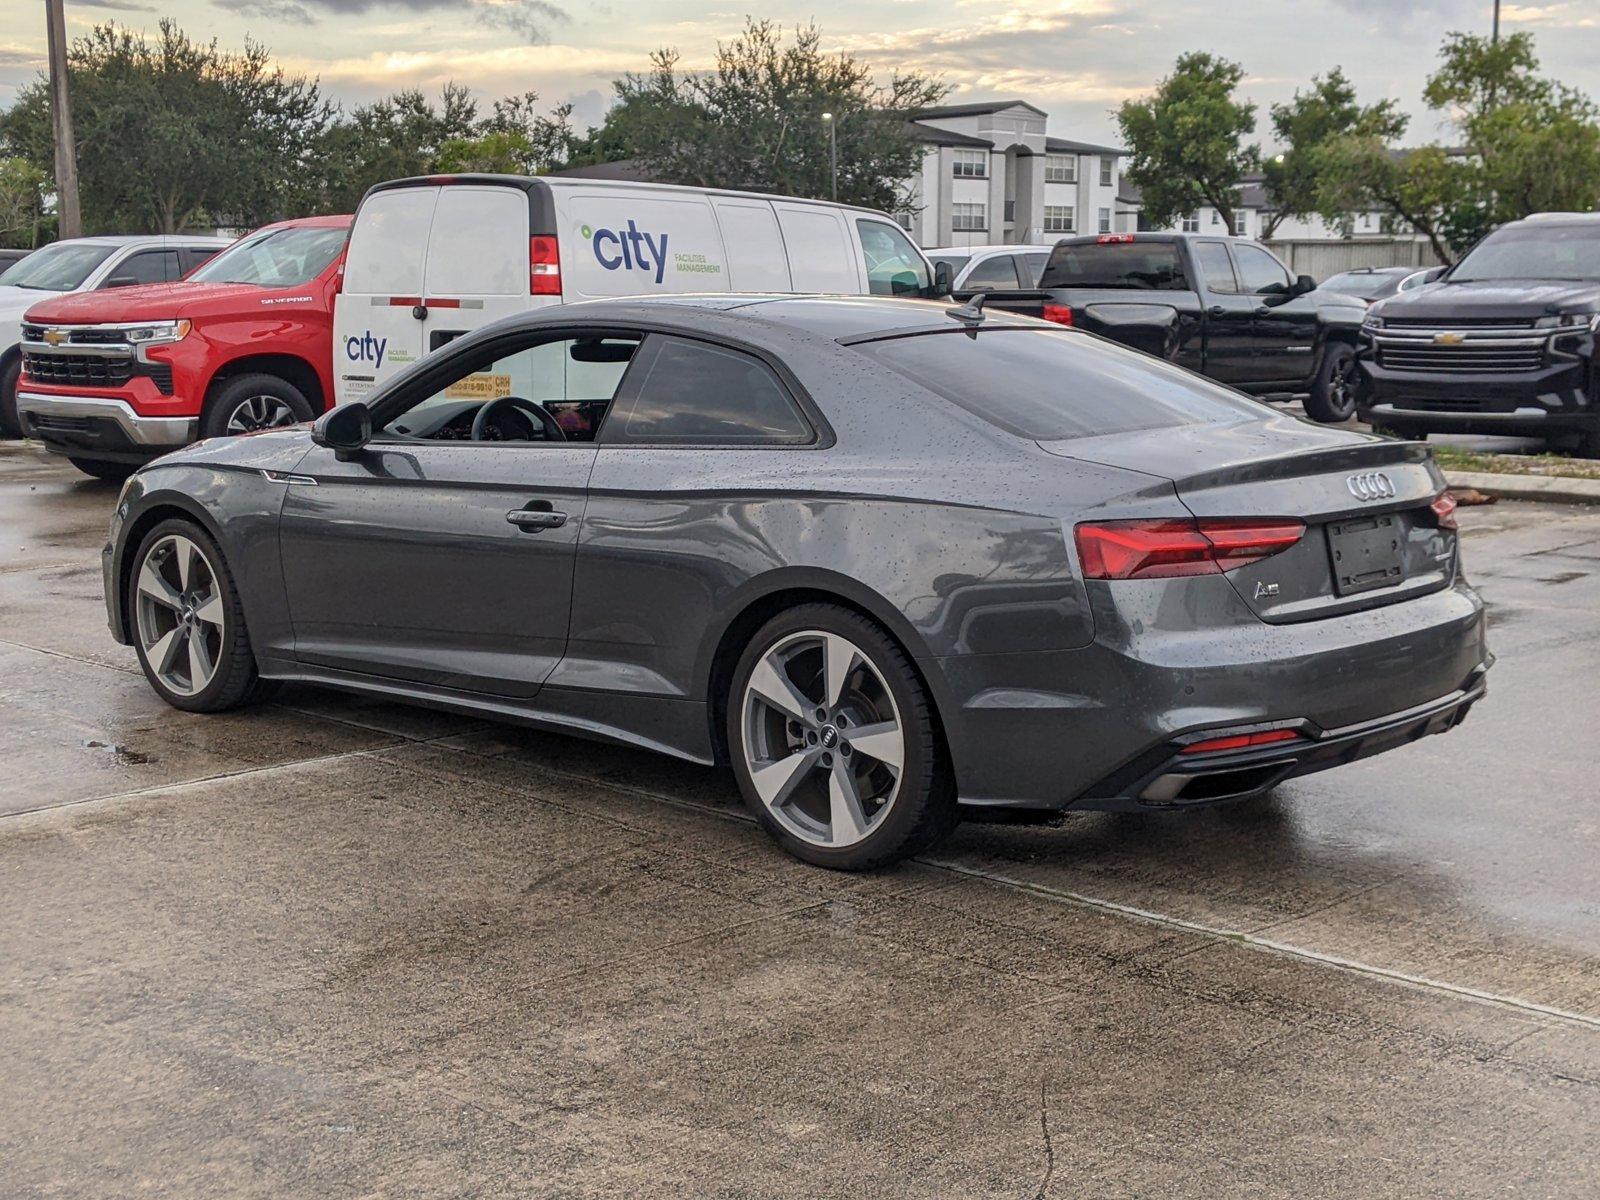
(971, 164)
(1061, 168)
(1241, 224)
(1216, 218)
(1059, 218)
(1107, 166)
(968, 218)
(1366, 220)
(1191, 223)
(1105, 220)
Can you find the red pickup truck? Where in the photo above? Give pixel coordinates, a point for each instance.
(112, 379)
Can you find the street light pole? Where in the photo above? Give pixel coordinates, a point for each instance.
(833, 157)
(1494, 38)
(69, 221)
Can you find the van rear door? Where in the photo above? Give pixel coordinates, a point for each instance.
(478, 261)
(374, 330)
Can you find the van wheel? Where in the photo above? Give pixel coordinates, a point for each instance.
(113, 472)
(1333, 392)
(10, 423)
(188, 624)
(251, 403)
(835, 743)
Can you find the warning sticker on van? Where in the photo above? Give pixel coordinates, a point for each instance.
(484, 386)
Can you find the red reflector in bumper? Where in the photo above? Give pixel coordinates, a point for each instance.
(1061, 314)
(1242, 741)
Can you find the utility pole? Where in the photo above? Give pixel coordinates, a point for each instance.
(833, 157)
(1494, 38)
(69, 221)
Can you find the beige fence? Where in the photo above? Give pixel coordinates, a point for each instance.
(1320, 259)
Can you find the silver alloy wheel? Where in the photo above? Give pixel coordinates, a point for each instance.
(823, 739)
(1341, 386)
(180, 614)
(260, 412)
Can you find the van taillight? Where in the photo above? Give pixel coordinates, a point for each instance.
(544, 266)
(1163, 549)
(1061, 314)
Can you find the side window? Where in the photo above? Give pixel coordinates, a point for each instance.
(996, 272)
(147, 266)
(894, 267)
(689, 393)
(1216, 272)
(1033, 266)
(191, 257)
(553, 391)
(1259, 271)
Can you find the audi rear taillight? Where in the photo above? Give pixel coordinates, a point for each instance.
(544, 266)
(1061, 314)
(1165, 549)
(1444, 511)
(1241, 741)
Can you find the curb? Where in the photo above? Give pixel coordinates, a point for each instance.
(1528, 487)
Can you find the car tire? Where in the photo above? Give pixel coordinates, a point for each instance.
(10, 421)
(99, 468)
(817, 770)
(251, 403)
(180, 596)
(1333, 391)
(1589, 442)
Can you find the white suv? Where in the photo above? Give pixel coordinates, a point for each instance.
(993, 266)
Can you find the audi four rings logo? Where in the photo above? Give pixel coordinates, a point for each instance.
(1371, 485)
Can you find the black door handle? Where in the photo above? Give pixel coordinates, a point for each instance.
(1263, 309)
(537, 515)
(1216, 310)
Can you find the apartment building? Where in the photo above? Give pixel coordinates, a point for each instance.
(992, 175)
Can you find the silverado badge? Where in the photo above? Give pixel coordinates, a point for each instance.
(1448, 339)
(54, 337)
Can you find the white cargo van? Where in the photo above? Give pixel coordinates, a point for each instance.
(435, 257)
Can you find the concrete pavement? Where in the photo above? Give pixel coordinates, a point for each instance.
(338, 948)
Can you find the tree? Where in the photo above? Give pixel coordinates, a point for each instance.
(1416, 189)
(172, 130)
(754, 121)
(22, 188)
(516, 140)
(1303, 126)
(400, 135)
(1185, 141)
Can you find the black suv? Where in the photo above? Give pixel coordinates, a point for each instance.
(1503, 342)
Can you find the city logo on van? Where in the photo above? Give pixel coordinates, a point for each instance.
(629, 249)
(365, 347)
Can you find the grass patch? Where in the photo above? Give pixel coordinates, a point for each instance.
(1560, 466)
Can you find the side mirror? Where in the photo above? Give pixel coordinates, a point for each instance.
(122, 281)
(1434, 274)
(1304, 284)
(345, 429)
(943, 279)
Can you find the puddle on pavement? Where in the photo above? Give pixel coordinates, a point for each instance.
(124, 756)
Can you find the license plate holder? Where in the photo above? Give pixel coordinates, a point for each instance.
(1367, 553)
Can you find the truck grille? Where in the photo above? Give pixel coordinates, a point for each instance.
(80, 370)
(1464, 359)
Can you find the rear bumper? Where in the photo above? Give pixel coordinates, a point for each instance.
(100, 427)
(1169, 778)
(1091, 727)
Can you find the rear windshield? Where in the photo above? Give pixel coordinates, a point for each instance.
(58, 268)
(275, 258)
(1049, 385)
(1534, 251)
(1366, 286)
(1153, 266)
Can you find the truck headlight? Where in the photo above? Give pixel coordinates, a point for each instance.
(1372, 321)
(1568, 321)
(148, 333)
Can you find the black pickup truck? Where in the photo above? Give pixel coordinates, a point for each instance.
(1506, 341)
(1225, 307)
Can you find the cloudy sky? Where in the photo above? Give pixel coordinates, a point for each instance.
(1074, 58)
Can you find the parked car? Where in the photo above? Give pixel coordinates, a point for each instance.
(84, 265)
(113, 379)
(10, 256)
(1507, 341)
(1224, 307)
(886, 558)
(434, 258)
(992, 266)
(1370, 284)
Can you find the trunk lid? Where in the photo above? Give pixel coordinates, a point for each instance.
(1371, 538)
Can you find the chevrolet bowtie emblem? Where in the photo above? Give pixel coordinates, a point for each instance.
(1448, 339)
(54, 337)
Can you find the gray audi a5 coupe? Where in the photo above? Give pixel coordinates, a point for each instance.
(892, 561)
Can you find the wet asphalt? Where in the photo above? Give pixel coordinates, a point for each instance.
(336, 948)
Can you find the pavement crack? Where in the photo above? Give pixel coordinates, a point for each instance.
(1049, 1145)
